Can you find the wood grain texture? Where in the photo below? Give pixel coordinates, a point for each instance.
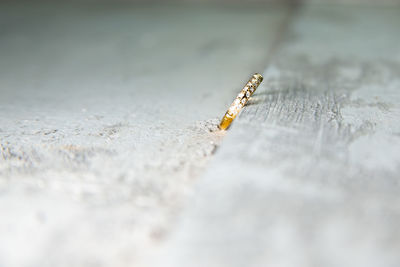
(309, 173)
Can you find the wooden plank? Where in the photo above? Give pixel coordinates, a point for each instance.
(106, 119)
(309, 173)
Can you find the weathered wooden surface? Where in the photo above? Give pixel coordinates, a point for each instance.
(106, 119)
(309, 173)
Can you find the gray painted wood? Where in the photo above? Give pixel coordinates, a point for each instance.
(309, 173)
(107, 113)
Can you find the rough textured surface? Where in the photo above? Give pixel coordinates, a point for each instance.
(309, 173)
(106, 119)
